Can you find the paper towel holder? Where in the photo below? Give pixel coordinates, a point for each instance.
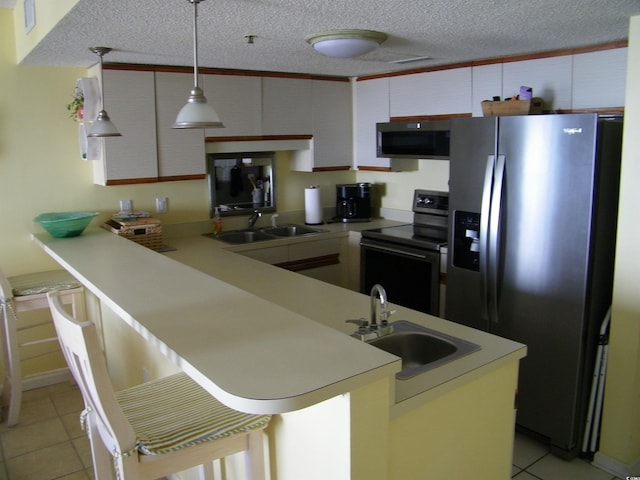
(313, 212)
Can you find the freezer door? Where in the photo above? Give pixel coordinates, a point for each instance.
(473, 141)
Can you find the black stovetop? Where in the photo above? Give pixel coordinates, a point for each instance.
(404, 235)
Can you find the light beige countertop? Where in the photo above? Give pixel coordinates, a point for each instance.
(251, 354)
(332, 305)
(259, 338)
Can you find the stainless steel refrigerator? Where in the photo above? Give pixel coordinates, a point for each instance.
(533, 212)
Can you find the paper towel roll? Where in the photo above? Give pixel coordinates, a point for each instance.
(312, 205)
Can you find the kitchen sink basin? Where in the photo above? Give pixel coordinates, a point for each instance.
(242, 236)
(421, 348)
(251, 235)
(292, 230)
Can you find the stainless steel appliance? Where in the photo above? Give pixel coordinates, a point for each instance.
(533, 203)
(419, 139)
(353, 202)
(405, 259)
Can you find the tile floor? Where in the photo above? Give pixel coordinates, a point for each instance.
(49, 444)
(533, 461)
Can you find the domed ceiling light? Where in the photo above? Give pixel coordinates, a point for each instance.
(197, 113)
(102, 126)
(347, 43)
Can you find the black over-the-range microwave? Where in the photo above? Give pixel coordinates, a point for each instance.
(416, 139)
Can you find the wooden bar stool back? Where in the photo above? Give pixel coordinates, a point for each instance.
(157, 428)
(20, 294)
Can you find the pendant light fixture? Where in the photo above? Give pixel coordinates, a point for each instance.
(102, 126)
(197, 113)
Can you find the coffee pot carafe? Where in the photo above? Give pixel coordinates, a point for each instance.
(353, 202)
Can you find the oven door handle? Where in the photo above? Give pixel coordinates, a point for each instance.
(394, 250)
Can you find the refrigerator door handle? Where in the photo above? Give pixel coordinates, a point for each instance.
(485, 214)
(494, 238)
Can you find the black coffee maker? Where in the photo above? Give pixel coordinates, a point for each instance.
(353, 202)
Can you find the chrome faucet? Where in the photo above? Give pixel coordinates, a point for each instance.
(377, 291)
(254, 218)
(369, 330)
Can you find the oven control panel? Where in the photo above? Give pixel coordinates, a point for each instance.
(430, 201)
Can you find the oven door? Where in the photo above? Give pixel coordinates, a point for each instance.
(410, 276)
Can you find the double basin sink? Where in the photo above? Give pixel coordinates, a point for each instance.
(251, 235)
(421, 348)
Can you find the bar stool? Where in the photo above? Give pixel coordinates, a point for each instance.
(23, 293)
(154, 429)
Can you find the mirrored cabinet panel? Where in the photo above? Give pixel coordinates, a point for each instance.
(241, 182)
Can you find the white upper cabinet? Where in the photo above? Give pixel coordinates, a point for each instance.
(180, 151)
(331, 127)
(238, 102)
(550, 79)
(371, 100)
(332, 116)
(286, 106)
(487, 83)
(129, 98)
(440, 92)
(143, 105)
(599, 79)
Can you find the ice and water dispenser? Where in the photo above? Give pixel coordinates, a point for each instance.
(466, 240)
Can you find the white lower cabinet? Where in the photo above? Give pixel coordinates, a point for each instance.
(271, 255)
(324, 260)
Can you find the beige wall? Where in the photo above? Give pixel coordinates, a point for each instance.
(49, 14)
(621, 417)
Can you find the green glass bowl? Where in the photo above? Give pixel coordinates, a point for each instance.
(65, 224)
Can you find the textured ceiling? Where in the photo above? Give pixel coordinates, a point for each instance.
(448, 31)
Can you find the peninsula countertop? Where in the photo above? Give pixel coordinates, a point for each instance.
(259, 338)
(331, 306)
(251, 354)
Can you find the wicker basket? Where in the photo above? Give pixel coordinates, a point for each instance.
(512, 107)
(144, 231)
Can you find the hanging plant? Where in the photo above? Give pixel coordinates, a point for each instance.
(76, 106)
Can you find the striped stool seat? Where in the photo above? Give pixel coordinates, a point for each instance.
(40, 283)
(24, 340)
(158, 428)
(165, 422)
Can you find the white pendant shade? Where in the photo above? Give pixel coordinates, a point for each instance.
(346, 43)
(197, 113)
(103, 127)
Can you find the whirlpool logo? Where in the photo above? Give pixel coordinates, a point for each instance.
(572, 131)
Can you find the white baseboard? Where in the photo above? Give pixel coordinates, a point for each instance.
(45, 379)
(616, 467)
